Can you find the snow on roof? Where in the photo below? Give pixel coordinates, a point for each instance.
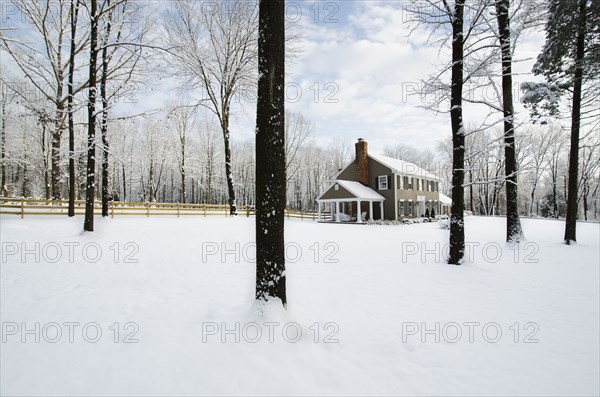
(358, 190)
(403, 167)
(445, 199)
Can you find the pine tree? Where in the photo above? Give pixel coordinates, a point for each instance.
(270, 153)
(570, 57)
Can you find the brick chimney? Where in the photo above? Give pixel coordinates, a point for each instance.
(362, 169)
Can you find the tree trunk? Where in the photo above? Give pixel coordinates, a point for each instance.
(183, 197)
(124, 185)
(471, 205)
(104, 125)
(3, 155)
(55, 149)
(74, 11)
(514, 231)
(228, 165)
(457, 226)
(571, 222)
(270, 154)
(90, 188)
(532, 198)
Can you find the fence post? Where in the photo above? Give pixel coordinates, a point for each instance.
(177, 205)
(204, 206)
(22, 208)
(112, 209)
(147, 210)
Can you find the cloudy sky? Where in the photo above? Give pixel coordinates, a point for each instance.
(357, 67)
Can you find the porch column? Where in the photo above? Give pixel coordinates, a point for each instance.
(358, 212)
(381, 206)
(337, 211)
(318, 211)
(371, 210)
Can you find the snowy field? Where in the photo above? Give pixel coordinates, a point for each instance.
(154, 307)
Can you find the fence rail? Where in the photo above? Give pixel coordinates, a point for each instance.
(22, 207)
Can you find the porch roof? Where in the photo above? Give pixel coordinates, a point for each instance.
(356, 190)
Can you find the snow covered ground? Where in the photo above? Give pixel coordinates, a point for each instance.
(154, 307)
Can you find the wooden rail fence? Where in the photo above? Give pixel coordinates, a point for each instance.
(22, 207)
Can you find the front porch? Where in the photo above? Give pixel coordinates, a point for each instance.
(349, 201)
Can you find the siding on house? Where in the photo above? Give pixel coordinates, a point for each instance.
(341, 193)
(375, 170)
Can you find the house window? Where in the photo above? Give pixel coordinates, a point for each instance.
(410, 208)
(337, 187)
(420, 184)
(383, 182)
(408, 183)
(401, 208)
(400, 182)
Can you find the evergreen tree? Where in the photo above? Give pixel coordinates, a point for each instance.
(569, 58)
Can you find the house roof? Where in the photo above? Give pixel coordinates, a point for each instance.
(403, 167)
(357, 189)
(445, 199)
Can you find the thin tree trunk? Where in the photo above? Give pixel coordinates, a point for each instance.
(571, 222)
(457, 226)
(55, 144)
(124, 185)
(104, 125)
(88, 224)
(270, 154)
(514, 231)
(72, 180)
(3, 155)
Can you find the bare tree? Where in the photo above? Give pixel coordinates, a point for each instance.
(88, 223)
(43, 63)
(297, 131)
(182, 118)
(214, 49)
(74, 12)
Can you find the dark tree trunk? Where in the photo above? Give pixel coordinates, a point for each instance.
(104, 125)
(124, 186)
(270, 154)
(228, 165)
(514, 232)
(72, 182)
(90, 188)
(457, 226)
(571, 222)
